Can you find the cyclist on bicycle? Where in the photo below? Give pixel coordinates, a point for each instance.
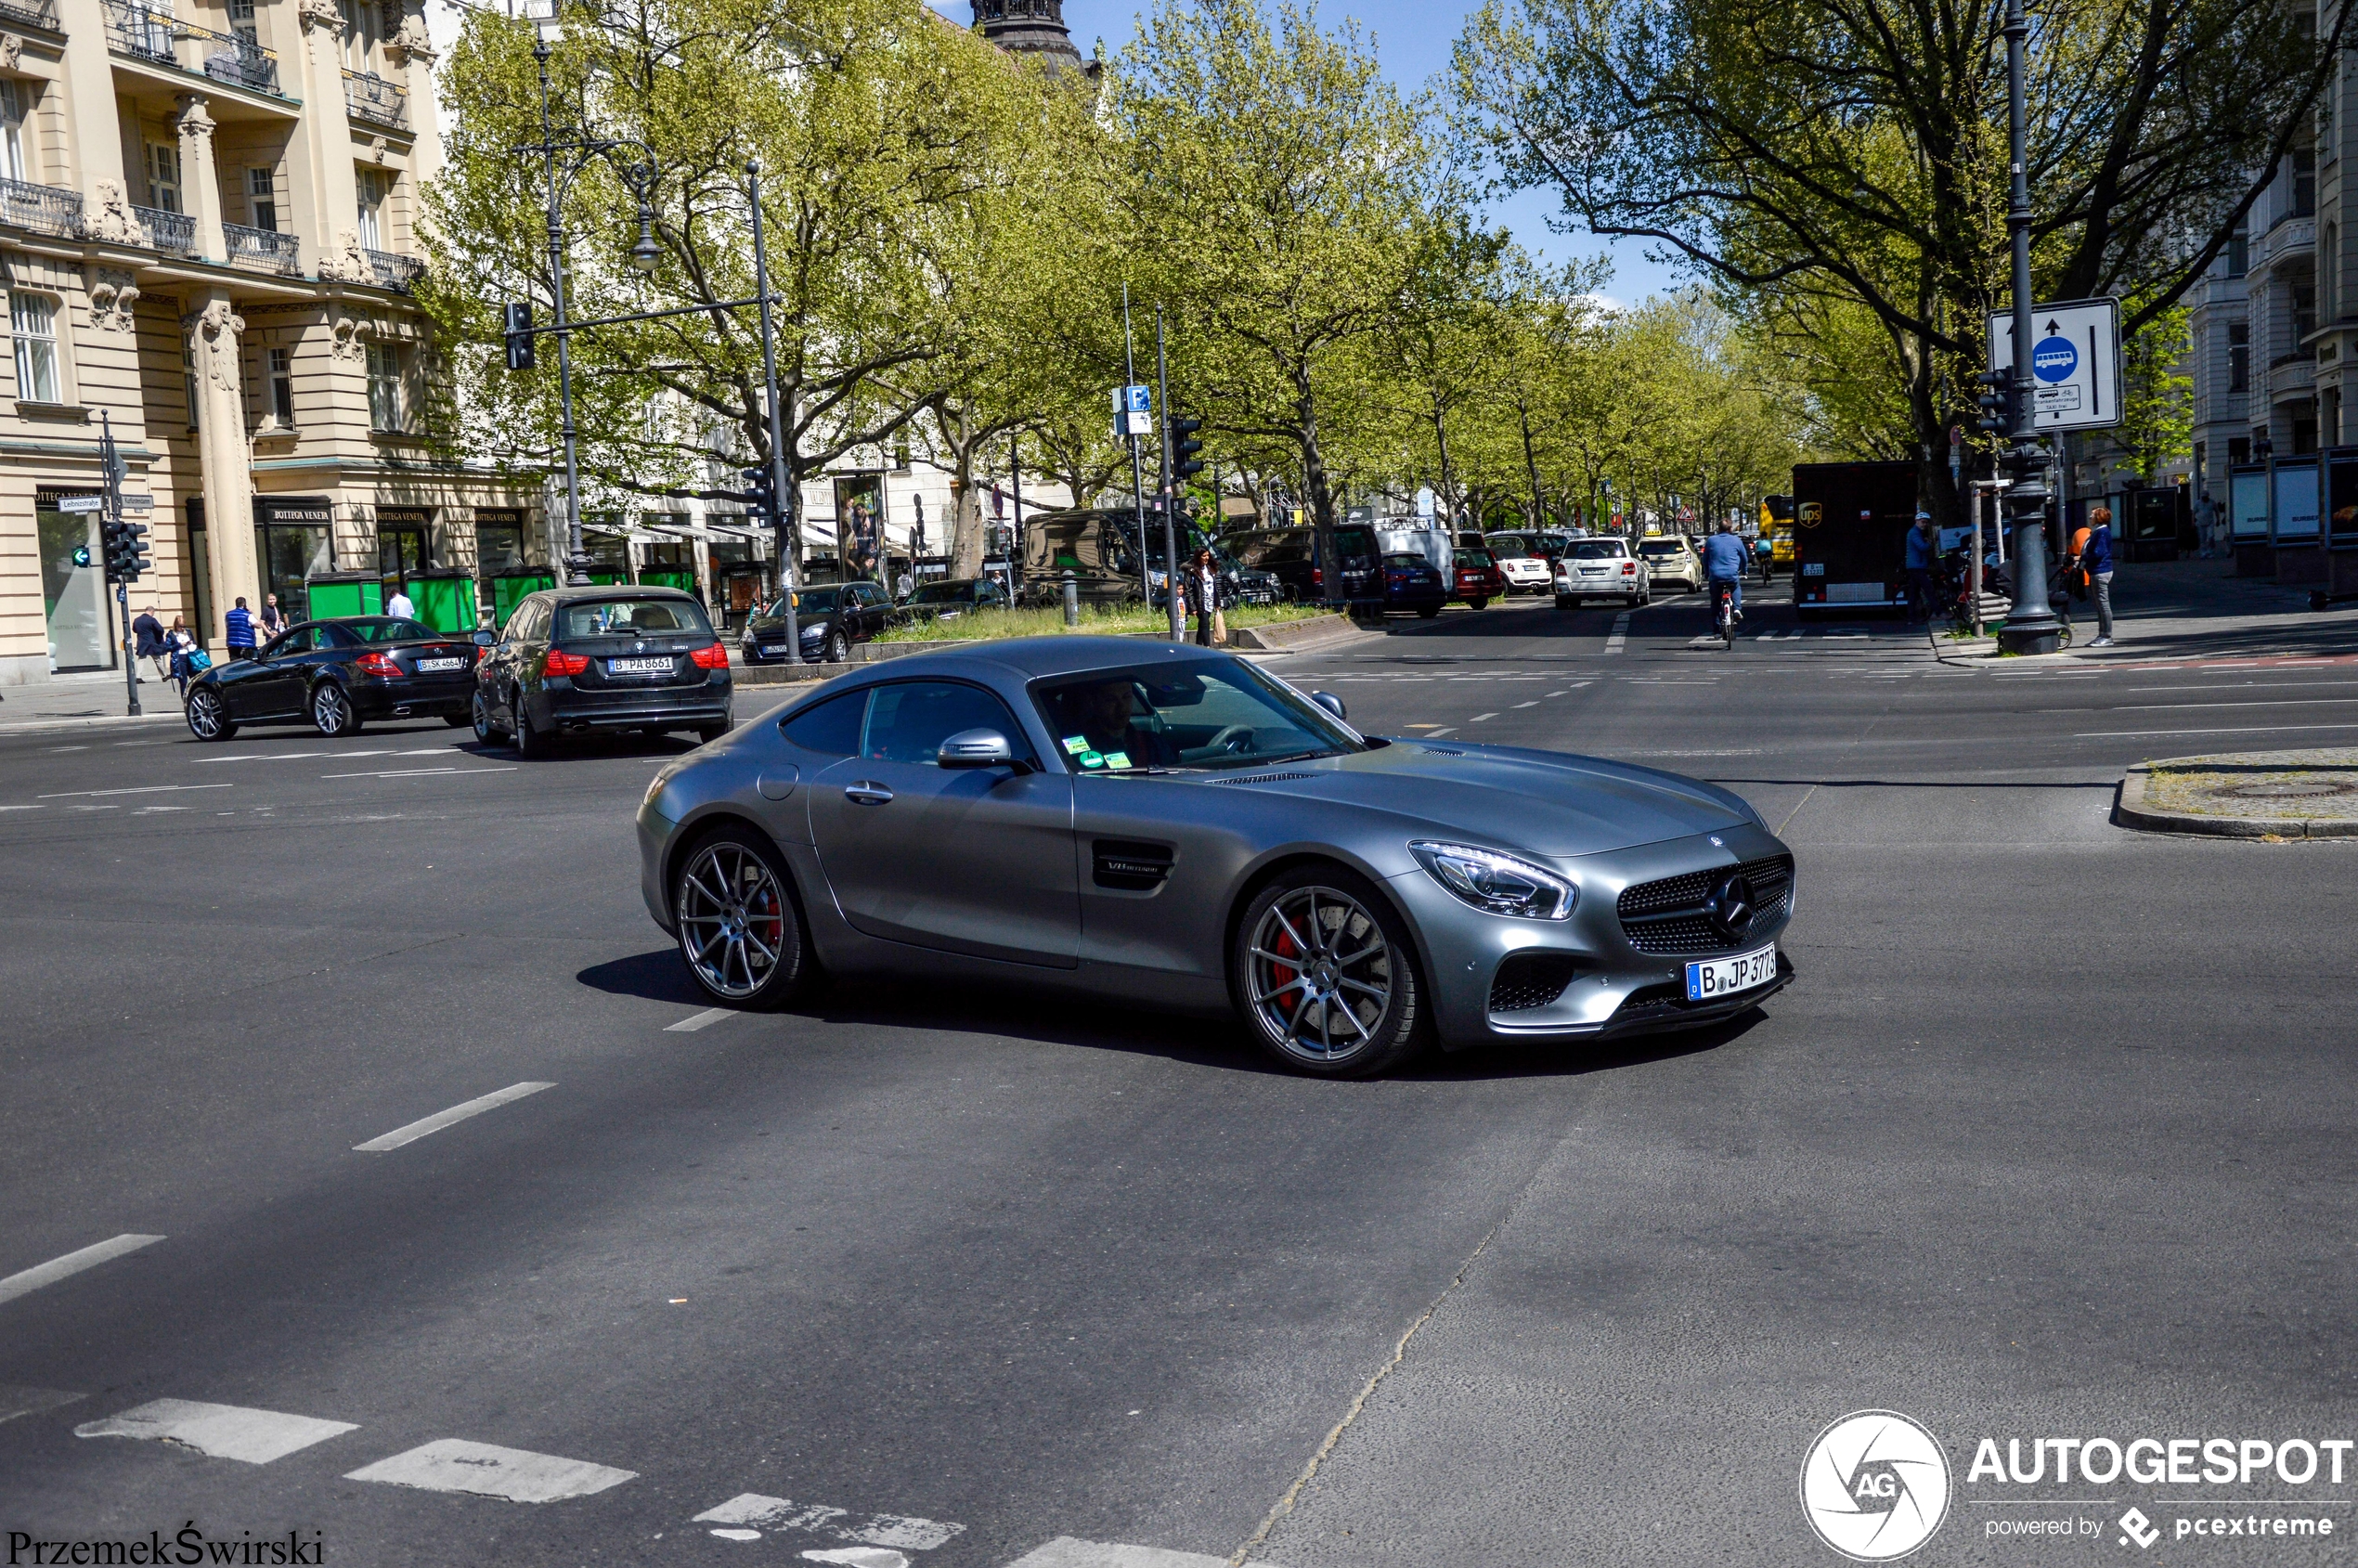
(1723, 562)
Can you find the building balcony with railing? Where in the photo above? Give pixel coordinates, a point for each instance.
(395, 271)
(263, 248)
(371, 98)
(175, 232)
(42, 14)
(44, 209)
(155, 35)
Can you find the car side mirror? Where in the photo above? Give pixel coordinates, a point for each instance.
(980, 748)
(1332, 703)
(483, 639)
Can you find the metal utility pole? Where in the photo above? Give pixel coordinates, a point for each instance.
(1178, 617)
(783, 517)
(576, 559)
(2031, 626)
(111, 468)
(1137, 474)
(1015, 534)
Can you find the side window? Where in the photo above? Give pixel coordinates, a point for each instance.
(831, 728)
(908, 721)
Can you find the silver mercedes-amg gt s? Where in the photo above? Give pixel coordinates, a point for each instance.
(1173, 827)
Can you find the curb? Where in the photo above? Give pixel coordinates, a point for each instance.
(2131, 811)
(56, 726)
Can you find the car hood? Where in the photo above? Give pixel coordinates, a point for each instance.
(1540, 802)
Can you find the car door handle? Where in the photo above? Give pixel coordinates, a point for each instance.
(867, 793)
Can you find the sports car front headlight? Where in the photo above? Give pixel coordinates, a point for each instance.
(1497, 884)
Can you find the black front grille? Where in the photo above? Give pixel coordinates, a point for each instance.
(1531, 980)
(1668, 916)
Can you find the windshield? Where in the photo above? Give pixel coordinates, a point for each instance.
(1662, 547)
(1210, 715)
(1401, 558)
(1598, 550)
(812, 601)
(387, 628)
(633, 617)
(1474, 558)
(944, 593)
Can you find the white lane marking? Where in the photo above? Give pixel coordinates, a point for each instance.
(751, 1509)
(705, 1020)
(426, 751)
(14, 1401)
(2244, 686)
(145, 810)
(268, 757)
(1518, 705)
(1619, 637)
(1066, 1551)
(416, 772)
(738, 1535)
(452, 1464)
(442, 1119)
(853, 1557)
(222, 1432)
(1555, 693)
(1479, 717)
(142, 789)
(2240, 730)
(24, 808)
(72, 1263)
(2193, 707)
(1436, 734)
(56, 748)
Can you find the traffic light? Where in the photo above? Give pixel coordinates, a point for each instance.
(1187, 458)
(517, 324)
(124, 553)
(761, 493)
(1997, 403)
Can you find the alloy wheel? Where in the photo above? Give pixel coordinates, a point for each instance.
(732, 919)
(204, 715)
(331, 710)
(1320, 976)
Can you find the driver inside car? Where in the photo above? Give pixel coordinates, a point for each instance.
(1108, 721)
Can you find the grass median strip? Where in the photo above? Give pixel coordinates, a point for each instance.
(441, 1119)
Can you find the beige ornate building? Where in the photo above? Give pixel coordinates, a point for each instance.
(207, 229)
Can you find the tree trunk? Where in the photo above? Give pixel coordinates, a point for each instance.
(965, 501)
(1313, 473)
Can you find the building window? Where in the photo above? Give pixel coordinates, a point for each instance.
(279, 361)
(241, 22)
(359, 31)
(385, 387)
(372, 195)
(34, 320)
(163, 176)
(262, 199)
(188, 378)
(2304, 182)
(2238, 250)
(2238, 356)
(2328, 271)
(2304, 312)
(15, 105)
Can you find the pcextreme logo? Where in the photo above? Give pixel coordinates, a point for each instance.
(1875, 1486)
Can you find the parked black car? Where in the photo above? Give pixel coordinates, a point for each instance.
(942, 599)
(336, 675)
(602, 658)
(1290, 556)
(1410, 583)
(832, 617)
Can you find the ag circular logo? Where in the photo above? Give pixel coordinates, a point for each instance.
(1875, 1486)
(2053, 359)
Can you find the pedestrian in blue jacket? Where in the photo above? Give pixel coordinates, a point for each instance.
(241, 624)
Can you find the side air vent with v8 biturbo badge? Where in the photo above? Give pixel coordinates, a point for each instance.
(1130, 867)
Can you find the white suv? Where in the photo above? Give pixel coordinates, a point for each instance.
(1601, 569)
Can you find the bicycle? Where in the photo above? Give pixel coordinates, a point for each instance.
(1723, 609)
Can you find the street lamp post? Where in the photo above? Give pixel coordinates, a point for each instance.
(2031, 626)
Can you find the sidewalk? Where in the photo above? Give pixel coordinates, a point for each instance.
(2311, 793)
(2194, 609)
(86, 701)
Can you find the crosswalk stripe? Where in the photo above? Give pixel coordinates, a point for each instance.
(751, 1509)
(1067, 1551)
(72, 1263)
(14, 1401)
(221, 1431)
(452, 1464)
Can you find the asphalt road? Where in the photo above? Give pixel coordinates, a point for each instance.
(2049, 1137)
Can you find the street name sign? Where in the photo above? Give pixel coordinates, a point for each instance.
(2075, 362)
(81, 503)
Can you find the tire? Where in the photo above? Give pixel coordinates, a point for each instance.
(486, 730)
(531, 745)
(1565, 601)
(1312, 911)
(331, 711)
(707, 733)
(1431, 613)
(838, 648)
(740, 930)
(456, 719)
(1477, 604)
(208, 716)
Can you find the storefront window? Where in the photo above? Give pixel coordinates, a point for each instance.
(291, 554)
(73, 587)
(499, 544)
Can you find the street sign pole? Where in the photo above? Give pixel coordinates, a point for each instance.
(1137, 473)
(110, 467)
(785, 491)
(2031, 626)
(1177, 618)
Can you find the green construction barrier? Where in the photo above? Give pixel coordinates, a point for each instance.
(681, 578)
(508, 591)
(607, 579)
(444, 601)
(345, 594)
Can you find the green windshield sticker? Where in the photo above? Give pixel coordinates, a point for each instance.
(1117, 759)
(1092, 759)
(1076, 744)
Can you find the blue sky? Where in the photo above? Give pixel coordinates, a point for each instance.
(1413, 39)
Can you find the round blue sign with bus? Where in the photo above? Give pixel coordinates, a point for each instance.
(2053, 359)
